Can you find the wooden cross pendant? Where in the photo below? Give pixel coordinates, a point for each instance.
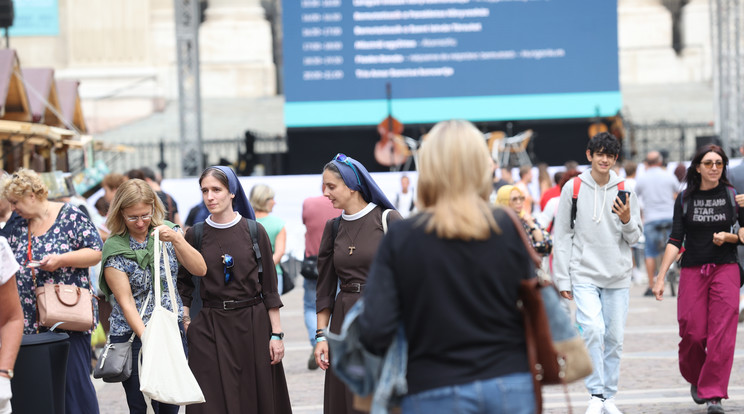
(351, 250)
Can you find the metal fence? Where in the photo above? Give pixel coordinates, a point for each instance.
(680, 140)
(167, 155)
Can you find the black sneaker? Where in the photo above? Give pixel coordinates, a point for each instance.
(694, 394)
(649, 292)
(715, 407)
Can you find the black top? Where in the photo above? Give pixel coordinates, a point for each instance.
(708, 212)
(457, 300)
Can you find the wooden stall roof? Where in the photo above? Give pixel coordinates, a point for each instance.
(69, 102)
(37, 134)
(42, 94)
(14, 103)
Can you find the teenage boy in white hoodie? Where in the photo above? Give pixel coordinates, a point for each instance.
(593, 264)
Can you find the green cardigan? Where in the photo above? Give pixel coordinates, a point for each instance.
(119, 245)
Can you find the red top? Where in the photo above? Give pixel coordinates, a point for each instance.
(554, 191)
(316, 211)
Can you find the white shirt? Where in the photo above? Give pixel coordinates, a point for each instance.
(8, 264)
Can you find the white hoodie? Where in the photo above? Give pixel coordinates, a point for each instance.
(597, 251)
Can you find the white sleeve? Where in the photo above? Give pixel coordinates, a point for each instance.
(8, 264)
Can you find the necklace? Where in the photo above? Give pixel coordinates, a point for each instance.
(352, 247)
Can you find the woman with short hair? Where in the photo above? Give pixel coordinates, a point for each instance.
(262, 200)
(55, 243)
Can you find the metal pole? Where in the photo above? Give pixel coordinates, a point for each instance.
(189, 95)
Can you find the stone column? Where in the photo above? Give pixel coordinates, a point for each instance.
(236, 50)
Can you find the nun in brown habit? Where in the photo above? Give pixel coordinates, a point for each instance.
(235, 342)
(345, 261)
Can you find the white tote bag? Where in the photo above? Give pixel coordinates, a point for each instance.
(164, 374)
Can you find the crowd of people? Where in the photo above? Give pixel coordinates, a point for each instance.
(442, 262)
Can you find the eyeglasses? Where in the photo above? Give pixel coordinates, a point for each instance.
(518, 198)
(228, 263)
(344, 159)
(134, 219)
(710, 163)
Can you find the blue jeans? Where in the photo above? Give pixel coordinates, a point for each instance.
(308, 300)
(512, 394)
(655, 238)
(601, 314)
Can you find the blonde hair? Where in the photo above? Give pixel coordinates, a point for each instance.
(454, 182)
(22, 182)
(503, 196)
(130, 193)
(260, 196)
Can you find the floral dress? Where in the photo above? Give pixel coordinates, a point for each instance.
(72, 230)
(140, 281)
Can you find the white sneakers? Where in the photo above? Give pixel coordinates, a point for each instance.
(597, 406)
(610, 407)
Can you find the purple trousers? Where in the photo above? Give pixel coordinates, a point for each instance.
(707, 311)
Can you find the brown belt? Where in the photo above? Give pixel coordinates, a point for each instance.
(232, 304)
(352, 287)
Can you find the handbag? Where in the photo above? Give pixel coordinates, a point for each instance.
(287, 279)
(58, 304)
(67, 305)
(309, 268)
(115, 362)
(555, 351)
(164, 373)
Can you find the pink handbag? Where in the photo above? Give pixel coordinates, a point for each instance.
(68, 306)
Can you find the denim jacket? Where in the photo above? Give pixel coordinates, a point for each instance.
(365, 373)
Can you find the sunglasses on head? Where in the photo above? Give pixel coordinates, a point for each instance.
(228, 263)
(344, 159)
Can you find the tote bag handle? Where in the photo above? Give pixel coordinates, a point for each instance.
(157, 283)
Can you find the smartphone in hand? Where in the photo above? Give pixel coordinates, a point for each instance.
(623, 196)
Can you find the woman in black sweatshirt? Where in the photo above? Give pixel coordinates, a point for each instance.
(451, 275)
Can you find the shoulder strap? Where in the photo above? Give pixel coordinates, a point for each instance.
(253, 229)
(385, 218)
(334, 230)
(198, 231)
(575, 199)
(731, 191)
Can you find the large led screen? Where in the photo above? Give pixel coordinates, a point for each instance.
(481, 60)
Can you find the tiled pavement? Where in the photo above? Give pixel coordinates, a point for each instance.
(649, 377)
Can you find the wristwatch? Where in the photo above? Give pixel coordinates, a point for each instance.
(280, 335)
(8, 372)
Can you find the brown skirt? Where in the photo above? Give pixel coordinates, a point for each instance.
(229, 356)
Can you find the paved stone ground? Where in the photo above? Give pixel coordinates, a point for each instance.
(650, 382)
